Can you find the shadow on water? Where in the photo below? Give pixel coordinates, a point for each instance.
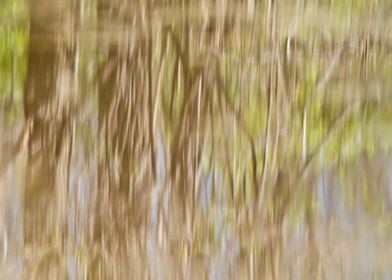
(195, 140)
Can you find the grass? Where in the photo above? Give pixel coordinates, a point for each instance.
(172, 140)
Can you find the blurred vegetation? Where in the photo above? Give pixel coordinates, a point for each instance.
(200, 139)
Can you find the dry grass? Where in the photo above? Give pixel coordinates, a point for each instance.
(173, 140)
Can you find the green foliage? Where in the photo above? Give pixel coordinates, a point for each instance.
(13, 13)
(13, 48)
(13, 58)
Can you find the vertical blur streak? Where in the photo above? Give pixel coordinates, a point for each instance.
(212, 139)
(126, 150)
(50, 90)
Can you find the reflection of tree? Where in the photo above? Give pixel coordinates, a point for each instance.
(49, 89)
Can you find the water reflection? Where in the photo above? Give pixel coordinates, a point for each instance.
(213, 140)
